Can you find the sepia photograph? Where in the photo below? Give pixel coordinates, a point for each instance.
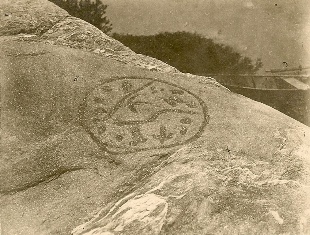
(155, 117)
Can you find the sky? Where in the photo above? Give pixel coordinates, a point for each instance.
(276, 31)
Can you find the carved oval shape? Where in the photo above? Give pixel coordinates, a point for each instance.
(131, 114)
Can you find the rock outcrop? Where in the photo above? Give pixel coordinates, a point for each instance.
(98, 140)
(43, 21)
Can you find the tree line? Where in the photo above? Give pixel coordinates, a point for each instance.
(188, 52)
(191, 53)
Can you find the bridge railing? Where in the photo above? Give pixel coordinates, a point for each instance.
(260, 81)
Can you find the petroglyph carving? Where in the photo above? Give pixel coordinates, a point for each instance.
(132, 114)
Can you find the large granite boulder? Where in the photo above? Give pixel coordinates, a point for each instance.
(98, 140)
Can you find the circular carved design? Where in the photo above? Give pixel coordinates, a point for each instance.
(130, 114)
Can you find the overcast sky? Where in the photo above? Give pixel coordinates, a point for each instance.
(276, 31)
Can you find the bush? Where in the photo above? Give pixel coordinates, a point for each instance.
(91, 11)
(191, 53)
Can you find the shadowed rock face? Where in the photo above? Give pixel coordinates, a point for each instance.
(92, 145)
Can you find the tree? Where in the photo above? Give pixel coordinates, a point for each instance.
(191, 53)
(91, 11)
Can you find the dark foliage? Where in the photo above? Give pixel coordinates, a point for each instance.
(191, 53)
(91, 11)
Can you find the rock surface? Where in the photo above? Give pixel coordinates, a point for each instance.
(41, 20)
(92, 145)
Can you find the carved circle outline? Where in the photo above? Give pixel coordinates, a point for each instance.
(105, 148)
